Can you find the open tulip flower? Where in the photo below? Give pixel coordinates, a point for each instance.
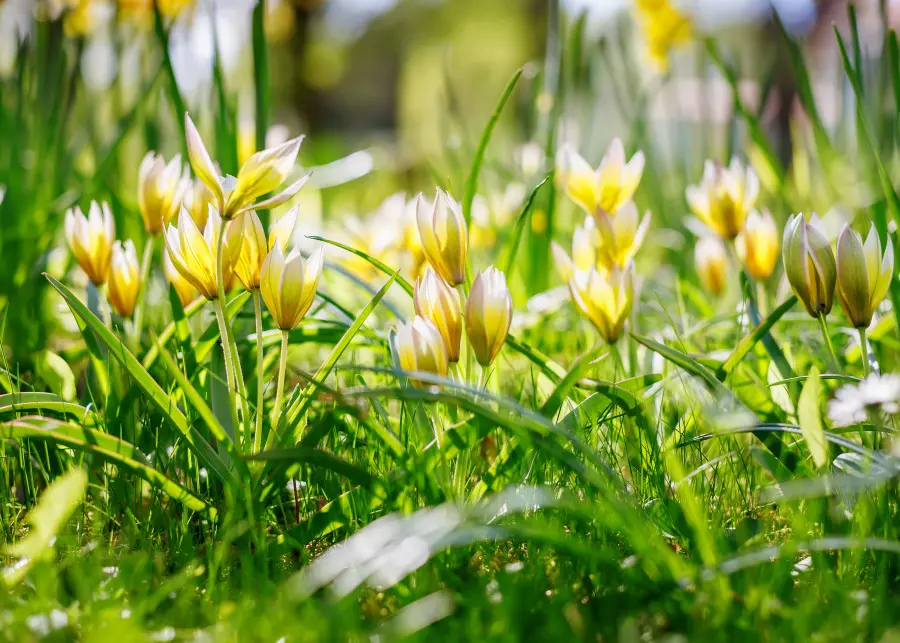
(288, 285)
(864, 273)
(161, 189)
(256, 246)
(193, 253)
(711, 262)
(619, 237)
(757, 245)
(420, 348)
(584, 251)
(263, 173)
(437, 302)
(724, 197)
(444, 235)
(124, 278)
(91, 239)
(605, 298)
(489, 312)
(605, 189)
(809, 264)
(197, 199)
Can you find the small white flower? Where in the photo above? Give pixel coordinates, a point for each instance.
(852, 404)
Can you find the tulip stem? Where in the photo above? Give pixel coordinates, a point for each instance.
(864, 347)
(827, 336)
(224, 333)
(138, 328)
(279, 391)
(257, 309)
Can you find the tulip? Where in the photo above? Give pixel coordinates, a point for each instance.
(663, 27)
(193, 253)
(711, 261)
(124, 278)
(864, 273)
(620, 237)
(184, 289)
(444, 235)
(161, 189)
(197, 199)
(288, 285)
(757, 245)
(605, 299)
(420, 349)
(584, 253)
(437, 302)
(809, 264)
(489, 312)
(91, 239)
(605, 189)
(724, 197)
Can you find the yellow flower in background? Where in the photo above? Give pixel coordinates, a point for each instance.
(445, 236)
(619, 237)
(437, 302)
(84, 17)
(91, 239)
(607, 188)
(256, 246)
(288, 284)
(419, 348)
(605, 299)
(193, 253)
(161, 188)
(489, 312)
(663, 27)
(142, 10)
(185, 290)
(584, 252)
(197, 199)
(864, 273)
(711, 262)
(809, 264)
(757, 245)
(124, 278)
(724, 197)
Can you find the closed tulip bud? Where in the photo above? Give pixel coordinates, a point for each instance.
(864, 274)
(161, 189)
(124, 278)
(185, 290)
(91, 239)
(197, 199)
(605, 189)
(711, 261)
(620, 236)
(724, 197)
(256, 247)
(584, 252)
(489, 312)
(437, 302)
(757, 245)
(445, 236)
(605, 299)
(193, 253)
(420, 349)
(809, 264)
(288, 285)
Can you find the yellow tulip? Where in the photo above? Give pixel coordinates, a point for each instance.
(621, 236)
(663, 27)
(437, 302)
(185, 290)
(161, 189)
(489, 312)
(584, 252)
(91, 239)
(124, 278)
(711, 261)
(288, 285)
(193, 253)
(864, 274)
(445, 236)
(197, 199)
(255, 246)
(605, 299)
(605, 189)
(724, 197)
(420, 348)
(757, 245)
(809, 264)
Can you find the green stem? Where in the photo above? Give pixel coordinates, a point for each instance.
(149, 249)
(864, 347)
(257, 309)
(229, 375)
(827, 336)
(279, 392)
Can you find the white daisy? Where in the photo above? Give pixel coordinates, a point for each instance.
(852, 403)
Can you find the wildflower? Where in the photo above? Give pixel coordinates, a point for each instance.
(663, 27)
(197, 199)
(864, 274)
(605, 189)
(161, 188)
(420, 348)
(437, 302)
(193, 253)
(605, 299)
(444, 235)
(621, 236)
(255, 246)
(124, 278)
(288, 284)
(809, 264)
(711, 262)
(584, 252)
(757, 245)
(91, 238)
(724, 197)
(489, 312)
(853, 403)
(183, 288)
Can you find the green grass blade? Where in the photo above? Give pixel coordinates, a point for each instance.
(28, 402)
(261, 74)
(380, 265)
(749, 341)
(520, 226)
(318, 459)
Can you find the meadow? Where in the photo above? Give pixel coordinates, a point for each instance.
(598, 342)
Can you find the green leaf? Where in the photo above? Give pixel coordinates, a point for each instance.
(380, 265)
(811, 420)
(520, 226)
(749, 341)
(685, 362)
(317, 458)
(26, 402)
(56, 374)
(567, 383)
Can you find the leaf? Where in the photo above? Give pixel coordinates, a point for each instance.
(749, 341)
(685, 362)
(567, 383)
(317, 458)
(520, 225)
(383, 267)
(811, 420)
(56, 374)
(24, 402)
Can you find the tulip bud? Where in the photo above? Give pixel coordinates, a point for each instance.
(193, 253)
(864, 274)
(444, 235)
(724, 197)
(809, 264)
(757, 245)
(288, 285)
(605, 189)
(489, 313)
(255, 246)
(419, 348)
(197, 199)
(124, 278)
(605, 299)
(90, 239)
(711, 262)
(186, 292)
(621, 236)
(161, 189)
(439, 303)
(202, 163)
